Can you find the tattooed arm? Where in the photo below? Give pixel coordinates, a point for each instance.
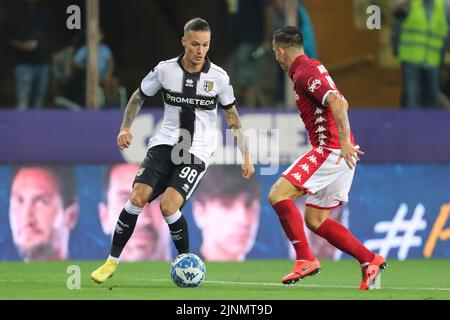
(339, 109)
(234, 123)
(134, 105)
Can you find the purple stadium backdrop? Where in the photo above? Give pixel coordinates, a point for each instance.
(399, 204)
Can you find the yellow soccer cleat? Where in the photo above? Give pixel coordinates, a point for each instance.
(105, 272)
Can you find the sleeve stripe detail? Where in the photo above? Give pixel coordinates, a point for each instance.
(142, 92)
(228, 106)
(326, 95)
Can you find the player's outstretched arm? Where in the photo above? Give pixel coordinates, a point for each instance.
(134, 105)
(234, 123)
(339, 109)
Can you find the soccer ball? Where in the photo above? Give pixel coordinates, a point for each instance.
(187, 270)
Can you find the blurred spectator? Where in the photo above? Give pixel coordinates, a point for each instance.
(105, 67)
(419, 37)
(62, 65)
(151, 237)
(62, 68)
(253, 70)
(227, 210)
(306, 28)
(30, 33)
(43, 210)
(68, 85)
(304, 25)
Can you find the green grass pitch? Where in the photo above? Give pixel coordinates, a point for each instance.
(255, 279)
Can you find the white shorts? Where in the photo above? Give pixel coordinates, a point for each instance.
(326, 182)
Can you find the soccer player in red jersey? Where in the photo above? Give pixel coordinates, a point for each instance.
(320, 173)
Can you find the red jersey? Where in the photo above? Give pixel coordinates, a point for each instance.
(312, 85)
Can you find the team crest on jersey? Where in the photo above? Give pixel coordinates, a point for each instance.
(140, 172)
(208, 85)
(314, 84)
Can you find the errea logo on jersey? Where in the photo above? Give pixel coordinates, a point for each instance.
(186, 187)
(314, 84)
(189, 83)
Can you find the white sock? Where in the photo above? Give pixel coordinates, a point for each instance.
(114, 259)
(173, 218)
(132, 209)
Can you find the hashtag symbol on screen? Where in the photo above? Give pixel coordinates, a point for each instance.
(400, 232)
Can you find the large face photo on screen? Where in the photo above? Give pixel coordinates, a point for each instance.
(151, 238)
(43, 210)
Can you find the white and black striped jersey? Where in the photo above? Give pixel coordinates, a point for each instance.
(190, 103)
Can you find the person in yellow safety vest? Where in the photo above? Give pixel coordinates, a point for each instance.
(422, 35)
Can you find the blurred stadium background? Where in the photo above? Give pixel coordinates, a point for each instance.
(399, 204)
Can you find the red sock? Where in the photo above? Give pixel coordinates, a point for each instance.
(292, 222)
(340, 237)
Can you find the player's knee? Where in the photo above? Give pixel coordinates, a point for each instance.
(140, 195)
(168, 207)
(313, 222)
(138, 200)
(273, 197)
(276, 195)
(310, 224)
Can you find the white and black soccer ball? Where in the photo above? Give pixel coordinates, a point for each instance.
(187, 270)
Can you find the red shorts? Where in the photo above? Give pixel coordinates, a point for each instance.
(326, 182)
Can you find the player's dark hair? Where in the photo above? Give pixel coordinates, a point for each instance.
(225, 182)
(288, 36)
(196, 24)
(64, 176)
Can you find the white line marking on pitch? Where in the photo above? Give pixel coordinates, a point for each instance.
(272, 284)
(298, 285)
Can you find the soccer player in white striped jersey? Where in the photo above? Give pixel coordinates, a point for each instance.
(193, 88)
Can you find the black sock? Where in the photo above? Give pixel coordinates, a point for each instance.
(122, 232)
(180, 235)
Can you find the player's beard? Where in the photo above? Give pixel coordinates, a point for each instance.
(221, 251)
(43, 251)
(142, 246)
(50, 249)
